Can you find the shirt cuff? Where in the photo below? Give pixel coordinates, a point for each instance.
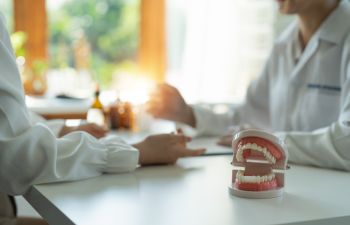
(209, 123)
(121, 157)
(201, 115)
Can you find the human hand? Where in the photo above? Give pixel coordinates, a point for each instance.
(91, 128)
(166, 102)
(226, 140)
(165, 149)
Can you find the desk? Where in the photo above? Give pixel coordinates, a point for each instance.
(54, 108)
(193, 192)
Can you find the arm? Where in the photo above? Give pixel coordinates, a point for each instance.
(167, 103)
(31, 154)
(55, 125)
(328, 146)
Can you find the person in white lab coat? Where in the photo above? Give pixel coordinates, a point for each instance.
(303, 93)
(32, 154)
(8, 205)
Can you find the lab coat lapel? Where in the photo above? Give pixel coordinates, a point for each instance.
(332, 30)
(305, 57)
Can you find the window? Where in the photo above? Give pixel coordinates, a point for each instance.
(97, 38)
(216, 47)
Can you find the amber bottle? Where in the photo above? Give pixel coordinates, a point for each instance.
(96, 113)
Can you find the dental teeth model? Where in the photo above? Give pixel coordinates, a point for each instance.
(259, 160)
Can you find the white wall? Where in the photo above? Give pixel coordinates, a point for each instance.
(216, 47)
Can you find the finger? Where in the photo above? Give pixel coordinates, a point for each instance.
(225, 141)
(158, 114)
(98, 135)
(167, 88)
(159, 91)
(156, 97)
(182, 138)
(153, 110)
(192, 152)
(179, 131)
(224, 144)
(96, 129)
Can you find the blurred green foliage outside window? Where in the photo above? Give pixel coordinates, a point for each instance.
(111, 27)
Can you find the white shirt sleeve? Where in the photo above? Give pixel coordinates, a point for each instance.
(31, 154)
(329, 146)
(209, 123)
(54, 125)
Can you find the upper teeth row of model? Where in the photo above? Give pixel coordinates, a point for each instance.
(253, 179)
(253, 146)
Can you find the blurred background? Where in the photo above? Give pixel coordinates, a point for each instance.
(209, 49)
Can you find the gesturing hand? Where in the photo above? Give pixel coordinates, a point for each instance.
(166, 102)
(165, 149)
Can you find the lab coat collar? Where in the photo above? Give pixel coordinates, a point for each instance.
(336, 26)
(333, 29)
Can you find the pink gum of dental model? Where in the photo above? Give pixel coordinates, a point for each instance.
(260, 161)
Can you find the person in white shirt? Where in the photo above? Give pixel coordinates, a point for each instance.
(32, 154)
(8, 207)
(303, 93)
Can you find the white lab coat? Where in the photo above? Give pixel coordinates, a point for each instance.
(303, 97)
(31, 154)
(54, 125)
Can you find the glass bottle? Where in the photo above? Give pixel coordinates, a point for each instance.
(96, 112)
(114, 114)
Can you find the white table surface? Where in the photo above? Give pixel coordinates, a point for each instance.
(194, 192)
(43, 105)
(163, 126)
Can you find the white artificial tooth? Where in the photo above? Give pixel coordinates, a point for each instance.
(271, 176)
(238, 176)
(265, 178)
(273, 159)
(239, 155)
(269, 157)
(248, 179)
(258, 148)
(264, 150)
